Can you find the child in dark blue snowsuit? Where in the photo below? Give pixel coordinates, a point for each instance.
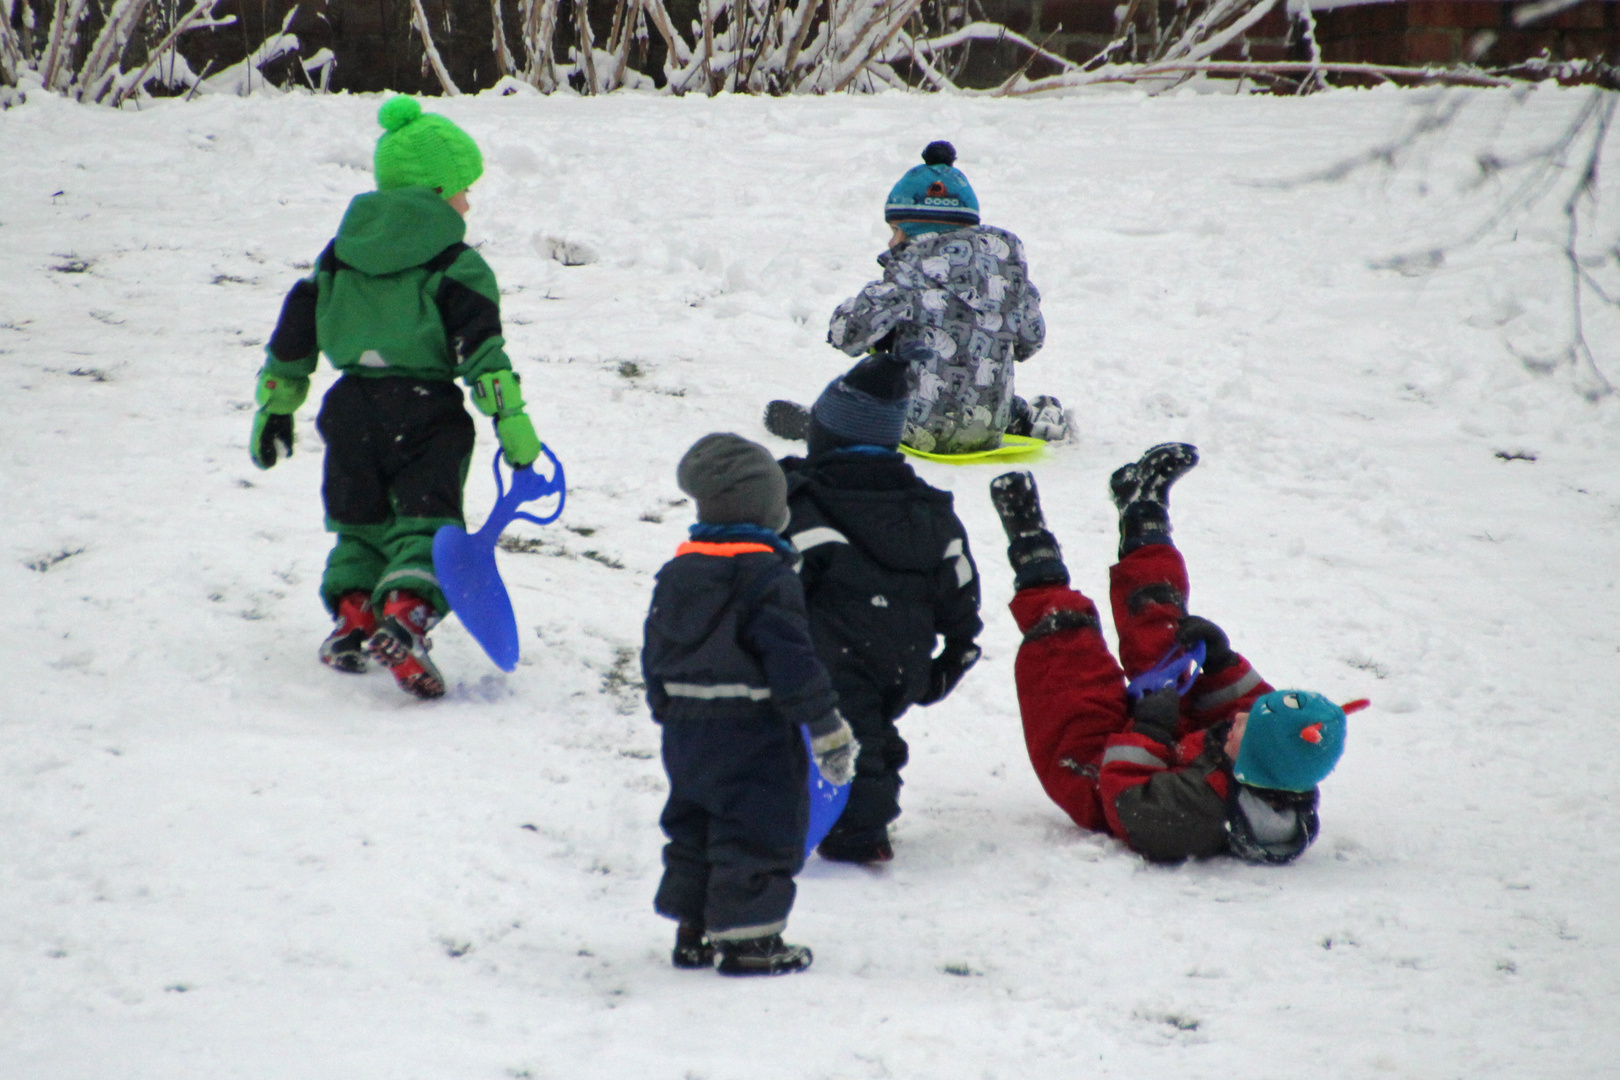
(887, 573)
(731, 675)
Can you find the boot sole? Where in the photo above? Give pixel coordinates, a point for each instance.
(787, 420)
(693, 962)
(744, 970)
(423, 682)
(350, 663)
(1161, 466)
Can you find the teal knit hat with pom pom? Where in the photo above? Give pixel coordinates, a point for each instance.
(932, 197)
(423, 149)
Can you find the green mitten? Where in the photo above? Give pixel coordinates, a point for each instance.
(498, 394)
(278, 398)
(279, 394)
(518, 440)
(270, 430)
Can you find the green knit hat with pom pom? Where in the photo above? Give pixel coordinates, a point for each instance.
(423, 149)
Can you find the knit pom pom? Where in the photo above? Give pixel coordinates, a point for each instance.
(939, 153)
(396, 112)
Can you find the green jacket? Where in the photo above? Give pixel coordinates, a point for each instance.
(396, 293)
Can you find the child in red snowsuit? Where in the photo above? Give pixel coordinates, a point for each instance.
(1232, 766)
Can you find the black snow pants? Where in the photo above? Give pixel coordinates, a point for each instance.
(397, 451)
(874, 795)
(738, 809)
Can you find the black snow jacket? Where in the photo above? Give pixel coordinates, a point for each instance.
(886, 571)
(727, 638)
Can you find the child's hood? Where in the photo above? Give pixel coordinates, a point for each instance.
(897, 520)
(960, 262)
(384, 232)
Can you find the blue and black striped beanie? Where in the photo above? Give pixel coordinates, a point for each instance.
(933, 196)
(865, 406)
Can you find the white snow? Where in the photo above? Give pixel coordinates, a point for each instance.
(219, 859)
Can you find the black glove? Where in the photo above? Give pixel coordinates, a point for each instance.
(947, 670)
(1156, 715)
(1218, 654)
(270, 430)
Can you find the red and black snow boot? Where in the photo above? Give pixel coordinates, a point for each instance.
(345, 648)
(400, 643)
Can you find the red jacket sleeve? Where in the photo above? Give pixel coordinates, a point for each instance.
(1168, 803)
(1148, 591)
(1071, 694)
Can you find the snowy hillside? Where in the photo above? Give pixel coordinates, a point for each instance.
(220, 860)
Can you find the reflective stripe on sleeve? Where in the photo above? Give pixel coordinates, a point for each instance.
(713, 693)
(1227, 694)
(817, 536)
(964, 566)
(1135, 755)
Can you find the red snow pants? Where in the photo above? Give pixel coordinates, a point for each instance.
(1071, 691)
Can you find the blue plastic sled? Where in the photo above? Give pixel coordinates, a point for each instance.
(826, 801)
(465, 564)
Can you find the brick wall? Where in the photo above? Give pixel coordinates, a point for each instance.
(1396, 32)
(1446, 32)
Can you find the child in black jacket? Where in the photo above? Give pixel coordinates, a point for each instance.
(731, 674)
(887, 571)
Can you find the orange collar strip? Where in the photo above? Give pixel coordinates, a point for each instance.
(700, 547)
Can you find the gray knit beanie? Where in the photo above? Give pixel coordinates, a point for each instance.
(734, 482)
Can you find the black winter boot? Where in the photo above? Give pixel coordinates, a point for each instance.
(768, 955)
(1020, 419)
(1034, 553)
(865, 847)
(1141, 491)
(787, 420)
(693, 949)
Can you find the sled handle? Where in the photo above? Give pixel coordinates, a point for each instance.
(528, 485)
(1179, 668)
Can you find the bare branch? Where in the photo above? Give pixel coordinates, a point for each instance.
(419, 21)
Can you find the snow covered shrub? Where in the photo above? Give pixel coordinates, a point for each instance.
(109, 52)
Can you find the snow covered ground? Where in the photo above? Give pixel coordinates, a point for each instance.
(220, 860)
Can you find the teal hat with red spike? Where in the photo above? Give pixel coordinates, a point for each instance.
(1292, 740)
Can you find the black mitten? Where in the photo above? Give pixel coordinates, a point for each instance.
(1156, 715)
(947, 670)
(1218, 654)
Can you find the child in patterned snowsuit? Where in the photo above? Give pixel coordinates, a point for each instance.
(961, 289)
(402, 307)
(1232, 767)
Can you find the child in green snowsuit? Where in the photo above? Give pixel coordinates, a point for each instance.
(402, 307)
